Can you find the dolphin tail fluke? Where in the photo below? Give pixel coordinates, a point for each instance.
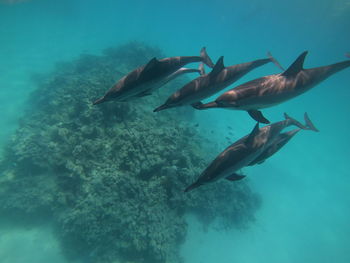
(295, 122)
(192, 186)
(201, 69)
(205, 58)
(99, 101)
(274, 61)
(309, 123)
(201, 106)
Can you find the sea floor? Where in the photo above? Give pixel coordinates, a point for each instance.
(33, 245)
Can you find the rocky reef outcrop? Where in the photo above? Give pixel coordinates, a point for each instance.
(111, 177)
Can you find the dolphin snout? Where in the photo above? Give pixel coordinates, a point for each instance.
(162, 107)
(192, 186)
(100, 100)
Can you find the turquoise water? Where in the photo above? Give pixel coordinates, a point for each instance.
(304, 188)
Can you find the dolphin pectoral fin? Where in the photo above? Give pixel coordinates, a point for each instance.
(235, 177)
(219, 66)
(347, 55)
(296, 67)
(143, 93)
(258, 116)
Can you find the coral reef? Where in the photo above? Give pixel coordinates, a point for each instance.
(111, 177)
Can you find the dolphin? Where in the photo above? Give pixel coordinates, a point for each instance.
(144, 80)
(244, 152)
(278, 143)
(281, 140)
(208, 84)
(274, 89)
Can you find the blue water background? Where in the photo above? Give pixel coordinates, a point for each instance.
(305, 187)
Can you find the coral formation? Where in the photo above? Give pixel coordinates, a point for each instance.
(111, 177)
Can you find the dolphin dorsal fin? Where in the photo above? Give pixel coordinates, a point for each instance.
(219, 66)
(151, 64)
(253, 133)
(297, 66)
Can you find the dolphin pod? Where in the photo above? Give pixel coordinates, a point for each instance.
(260, 144)
(274, 89)
(208, 84)
(144, 80)
(263, 92)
